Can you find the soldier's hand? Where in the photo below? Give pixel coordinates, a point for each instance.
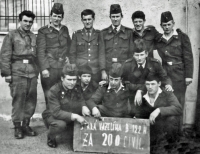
(96, 113)
(169, 88)
(154, 115)
(104, 76)
(67, 60)
(101, 83)
(78, 118)
(45, 74)
(138, 98)
(8, 79)
(85, 111)
(188, 81)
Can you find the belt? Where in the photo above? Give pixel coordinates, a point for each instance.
(173, 63)
(23, 61)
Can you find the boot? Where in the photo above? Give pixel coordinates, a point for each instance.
(26, 129)
(51, 142)
(18, 130)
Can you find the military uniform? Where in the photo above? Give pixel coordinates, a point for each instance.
(117, 46)
(18, 53)
(85, 51)
(61, 104)
(150, 35)
(177, 60)
(52, 50)
(132, 73)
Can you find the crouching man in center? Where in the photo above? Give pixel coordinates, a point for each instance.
(162, 108)
(65, 104)
(112, 99)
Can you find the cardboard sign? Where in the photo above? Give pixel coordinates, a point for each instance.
(113, 135)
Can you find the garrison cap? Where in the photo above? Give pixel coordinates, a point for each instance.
(115, 8)
(85, 70)
(116, 70)
(138, 14)
(57, 8)
(70, 69)
(166, 16)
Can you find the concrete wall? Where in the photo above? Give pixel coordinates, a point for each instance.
(153, 10)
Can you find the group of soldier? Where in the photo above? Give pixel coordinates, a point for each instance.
(109, 73)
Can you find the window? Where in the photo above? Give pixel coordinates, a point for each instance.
(10, 10)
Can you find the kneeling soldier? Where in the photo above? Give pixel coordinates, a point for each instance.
(65, 104)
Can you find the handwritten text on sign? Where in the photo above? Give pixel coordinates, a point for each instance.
(116, 135)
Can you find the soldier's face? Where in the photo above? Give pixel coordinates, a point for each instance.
(140, 57)
(167, 27)
(85, 79)
(116, 19)
(87, 21)
(138, 24)
(26, 23)
(152, 86)
(69, 81)
(56, 19)
(114, 82)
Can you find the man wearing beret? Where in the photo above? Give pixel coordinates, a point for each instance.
(161, 107)
(85, 46)
(174, 48)
(139, 67)
(148, 33)
(53, 44)
(18, 66)
(117, 40)
(112, 100)
(65, 104)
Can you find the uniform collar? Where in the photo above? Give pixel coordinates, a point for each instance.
(116, 91)
(143, 65)
(175, 34)
(118, 27)
(146, 96)
(85, 30)
(122, 28)
(23, 33)
(50, 25)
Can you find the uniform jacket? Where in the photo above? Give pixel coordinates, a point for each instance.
(86, 52)
(150, 35)
(111, 103)
(166, 102)
(52, 47)
(178, 52)
(89, 91)
(62, 103)
(152, 67)
(118, 45)
(17, 46)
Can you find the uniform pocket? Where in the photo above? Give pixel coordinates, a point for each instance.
(81, 46)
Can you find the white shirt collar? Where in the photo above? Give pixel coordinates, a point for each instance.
(116, 91)
(118, 27)
(167, 38)
(143, 65)
(146, 96)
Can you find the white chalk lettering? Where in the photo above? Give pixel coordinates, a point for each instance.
(125, 137)
(126, 128)
(117, 140)
(85, 140)
(110, 139)
(90, 143)
(144, 130)
(109, 126)
(105, 139)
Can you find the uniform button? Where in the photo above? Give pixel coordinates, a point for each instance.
(115, 43)
(89, 55)
(88, 59)
(89, 49)
(88, 43)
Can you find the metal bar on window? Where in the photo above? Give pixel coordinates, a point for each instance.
(44, 11)
(16, 12)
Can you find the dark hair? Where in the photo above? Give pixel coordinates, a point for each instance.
(26, 13)
(155, 77)
(138, 14)
(87, 12)
(139, 46)
(55, 13)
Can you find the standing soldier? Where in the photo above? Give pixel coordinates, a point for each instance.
(117, 40)
(18, 54)
(148, 33)
(85, 46)
(174, 48)
(53, 43)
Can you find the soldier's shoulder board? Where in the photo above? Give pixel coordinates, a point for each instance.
(128, 28)
(155, 60)
(129, 60)
(44, 27)
(97, 31)
(105, 29)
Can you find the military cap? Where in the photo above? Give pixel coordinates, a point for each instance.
(116, 70)
(84, 70)
(166, 16)
(57, 8)
(138, 14)
(70, 69)
(115, 8)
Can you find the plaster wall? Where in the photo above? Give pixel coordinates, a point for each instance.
(181, 12)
